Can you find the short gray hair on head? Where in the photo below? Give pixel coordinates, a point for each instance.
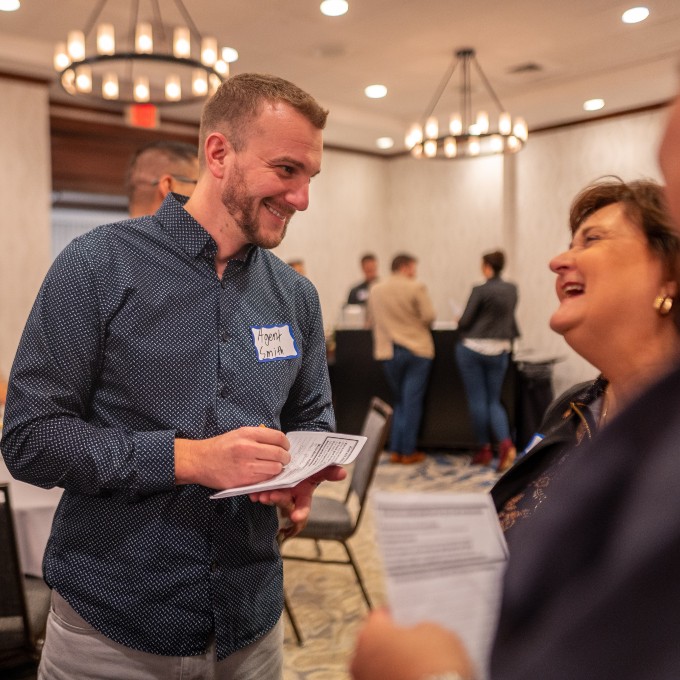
(157, 158)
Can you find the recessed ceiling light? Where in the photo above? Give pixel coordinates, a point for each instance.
(9, 5)
(334, 8)
(593, 105)
(375, 91)
(384, 142)
(634, 15)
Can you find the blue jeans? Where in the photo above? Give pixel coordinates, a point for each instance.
(407, 376)
(483, 381)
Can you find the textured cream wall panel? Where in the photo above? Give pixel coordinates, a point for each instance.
(447, 213)
(346, 217)
(25, 187)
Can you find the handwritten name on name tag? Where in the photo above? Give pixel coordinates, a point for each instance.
(274, 342)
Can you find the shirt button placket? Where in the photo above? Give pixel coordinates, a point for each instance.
(223, 333)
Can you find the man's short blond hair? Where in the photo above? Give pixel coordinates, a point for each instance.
(239, 100)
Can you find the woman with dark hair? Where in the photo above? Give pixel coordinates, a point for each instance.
(488, 328)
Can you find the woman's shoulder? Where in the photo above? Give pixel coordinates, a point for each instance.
(556, 435)
(497, 285)
(584, 393)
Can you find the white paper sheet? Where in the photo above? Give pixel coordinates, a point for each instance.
(456, 309)
(444, 557)
(310, 452)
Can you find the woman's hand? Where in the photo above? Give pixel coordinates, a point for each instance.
(385, 650)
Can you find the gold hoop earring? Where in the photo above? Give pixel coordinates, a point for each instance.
(663, 304)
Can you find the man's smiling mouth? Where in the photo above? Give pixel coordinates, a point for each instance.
(283, 216)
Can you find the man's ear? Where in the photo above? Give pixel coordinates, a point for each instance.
(165, 185)
(218, 152)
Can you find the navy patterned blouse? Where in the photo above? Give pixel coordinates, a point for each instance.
(133, 341)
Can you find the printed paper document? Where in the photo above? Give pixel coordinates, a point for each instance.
(310, 452)
(444, 556)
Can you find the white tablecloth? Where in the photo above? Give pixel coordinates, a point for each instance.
(33, 510)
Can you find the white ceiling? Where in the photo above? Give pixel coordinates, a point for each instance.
(581, 47)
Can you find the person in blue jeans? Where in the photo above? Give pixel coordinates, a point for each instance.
(407, 375)
(400, 312)
(488, 328)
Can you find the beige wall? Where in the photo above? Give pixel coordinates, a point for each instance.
(447, 213)
(346, 217)
(25, 187)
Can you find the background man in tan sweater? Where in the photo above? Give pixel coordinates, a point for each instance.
(401, 313)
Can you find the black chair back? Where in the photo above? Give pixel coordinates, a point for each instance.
(14, 620)
(376, 429)
(331, 519)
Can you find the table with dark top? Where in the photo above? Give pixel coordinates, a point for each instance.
(356, 377)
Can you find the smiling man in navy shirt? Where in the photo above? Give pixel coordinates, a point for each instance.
(139, 387)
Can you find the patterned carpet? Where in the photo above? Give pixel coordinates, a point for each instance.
(326, 599)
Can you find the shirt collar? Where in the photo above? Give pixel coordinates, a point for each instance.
(181, 226)
(188, 233)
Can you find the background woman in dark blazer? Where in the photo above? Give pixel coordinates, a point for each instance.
(488, 328)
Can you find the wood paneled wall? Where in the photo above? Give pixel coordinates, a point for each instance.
(91, 156)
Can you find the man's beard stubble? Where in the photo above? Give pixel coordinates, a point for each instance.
(243, 210)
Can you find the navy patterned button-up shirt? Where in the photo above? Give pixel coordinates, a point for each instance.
(133, 341)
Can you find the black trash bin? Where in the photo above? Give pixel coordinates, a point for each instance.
(534, 395)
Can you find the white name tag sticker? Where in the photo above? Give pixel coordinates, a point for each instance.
(274, 342)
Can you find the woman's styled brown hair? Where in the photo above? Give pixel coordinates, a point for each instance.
(645, 204)
(495, 260)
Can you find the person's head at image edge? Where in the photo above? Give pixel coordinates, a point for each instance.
(261, 144)
(155, 170)
(617, 283)
(669, 160)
